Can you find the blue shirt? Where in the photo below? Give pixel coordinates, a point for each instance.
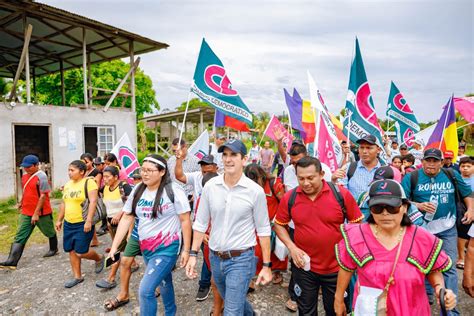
(470, 181)
(360, 180)
(441, 189)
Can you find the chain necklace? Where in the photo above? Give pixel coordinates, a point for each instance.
(399, 237)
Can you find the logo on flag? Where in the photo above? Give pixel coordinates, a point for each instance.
(126, 156)
(200, 147)
(275, 125)
(213, 86)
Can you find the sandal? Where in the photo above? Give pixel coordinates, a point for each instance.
(73, 282)
(291, 305)
(114, 303)
(277, 278)
(99, 266)
(460, 265)
(106, 284)
(135, 268)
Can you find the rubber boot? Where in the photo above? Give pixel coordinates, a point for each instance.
(16, 251)
(53, 247)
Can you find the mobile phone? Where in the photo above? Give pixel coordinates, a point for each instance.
(110, 261)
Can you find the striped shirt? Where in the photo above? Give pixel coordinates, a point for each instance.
(360, 180)
(190, 164)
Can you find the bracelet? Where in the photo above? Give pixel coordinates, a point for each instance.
(193, 253)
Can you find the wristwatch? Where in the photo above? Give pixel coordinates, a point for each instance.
(193, 253)
(267, 264)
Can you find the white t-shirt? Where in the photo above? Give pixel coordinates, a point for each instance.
(163, 233)
(471, 231)
(217, 158)
(195, 179)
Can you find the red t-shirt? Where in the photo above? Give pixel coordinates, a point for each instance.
(31, 193)
(317, 224)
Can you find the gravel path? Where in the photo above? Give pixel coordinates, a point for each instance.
(36, 288)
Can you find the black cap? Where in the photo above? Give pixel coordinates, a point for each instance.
(368, 139)
(98, 161)
(433, 153)
(136, 174)
(386, 192)
(207, 160)
(235, 146)
(384, 172)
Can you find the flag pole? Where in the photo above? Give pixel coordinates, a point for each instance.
(445, 122)
(317, 127)
(184, 121)
(265, 131)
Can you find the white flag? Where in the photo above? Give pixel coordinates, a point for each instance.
(126, 156)
(200, 147)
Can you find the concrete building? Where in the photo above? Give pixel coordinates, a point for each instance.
(36, 40)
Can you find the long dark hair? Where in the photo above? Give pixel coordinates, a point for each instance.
(256, 173)
(80, 165)
(165, 180)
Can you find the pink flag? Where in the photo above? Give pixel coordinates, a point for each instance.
(325, 148)
(274, 125)
(465, 106)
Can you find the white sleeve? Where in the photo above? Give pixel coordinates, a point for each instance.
(127, 208)
(203, 214)
(471, 232)
(260, 215)
(181, 203)
(191, 177)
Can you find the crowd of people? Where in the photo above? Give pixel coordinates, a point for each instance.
(373, 238)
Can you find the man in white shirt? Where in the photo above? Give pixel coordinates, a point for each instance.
(236, 208)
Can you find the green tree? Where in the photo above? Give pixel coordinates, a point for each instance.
(105, 75)
(193, 104)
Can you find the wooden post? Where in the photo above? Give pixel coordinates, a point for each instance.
(34, 85)
(21, 63)
(63, 92)
(156, 137)
(89, 77)
(84, 65)
(132, 76)
(27, 69)
(201, 123)
(132, 69)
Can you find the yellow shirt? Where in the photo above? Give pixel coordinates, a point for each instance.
(113, 201)
(73, 196)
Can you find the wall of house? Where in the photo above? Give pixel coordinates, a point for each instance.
(66, 136)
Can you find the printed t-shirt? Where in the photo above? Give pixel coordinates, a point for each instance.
(441, 189)
(37, 185)
(113, 199)
(73, 196)
(317, 224)
(161, 234)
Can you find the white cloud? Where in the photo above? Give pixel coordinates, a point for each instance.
(425, 47)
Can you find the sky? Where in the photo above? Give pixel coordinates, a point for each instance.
(425, 47)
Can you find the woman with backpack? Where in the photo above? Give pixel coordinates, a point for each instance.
(78, 226)
(114, 196)
(274, 190)
(163, 211)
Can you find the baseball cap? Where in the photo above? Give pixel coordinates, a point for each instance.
(404, 147)
(368, 139)
(418, 141)
(394, 141)
(433, 153)
(387, 172)
(235, 145)
(386, 192)
(220, 136)
(98, 161)
(207, 160)
(29, 160)
(136, 174)
(448, 154)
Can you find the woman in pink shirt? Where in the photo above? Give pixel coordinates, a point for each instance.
(392, 258)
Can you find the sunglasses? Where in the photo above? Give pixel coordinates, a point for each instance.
(378, 209)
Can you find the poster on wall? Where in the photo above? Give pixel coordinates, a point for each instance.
(62, 133)
(72, 141)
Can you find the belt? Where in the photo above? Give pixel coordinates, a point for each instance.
(230, 253)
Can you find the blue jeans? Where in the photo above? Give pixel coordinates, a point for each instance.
(449, 238)
(157, 273)
(232, 277)
(206, 275)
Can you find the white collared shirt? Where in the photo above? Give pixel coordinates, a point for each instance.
(235, 214)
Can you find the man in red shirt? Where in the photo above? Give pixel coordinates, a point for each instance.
(35, 211)
(317, 215)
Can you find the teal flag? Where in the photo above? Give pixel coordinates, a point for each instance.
(213, 86)
(360, 119)
(398, 110)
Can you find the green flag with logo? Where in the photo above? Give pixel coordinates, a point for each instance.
(398, 110)
(360, 119)
(213, 86)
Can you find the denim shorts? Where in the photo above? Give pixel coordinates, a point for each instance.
(74, 237)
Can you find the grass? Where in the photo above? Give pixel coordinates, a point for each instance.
(9, 225)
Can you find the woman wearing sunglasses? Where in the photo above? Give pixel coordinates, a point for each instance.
(392, 258)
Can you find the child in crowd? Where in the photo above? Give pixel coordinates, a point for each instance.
(407, 164)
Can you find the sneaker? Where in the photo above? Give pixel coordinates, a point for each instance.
(203, 293)
(102, 231)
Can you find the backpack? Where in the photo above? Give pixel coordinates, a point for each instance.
(335, 191)
(351, 170)
(272, 189)
(100, 210)
(461, 207)
(168, 189)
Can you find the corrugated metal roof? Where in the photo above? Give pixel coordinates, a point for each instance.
(57, 35)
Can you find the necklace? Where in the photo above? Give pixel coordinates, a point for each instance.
(399, 237)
